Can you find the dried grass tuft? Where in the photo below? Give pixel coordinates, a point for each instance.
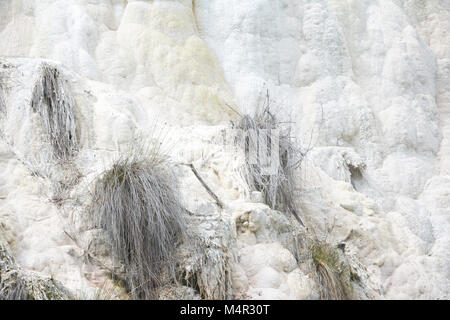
(53, 101)
(137, 203)
(333, 273)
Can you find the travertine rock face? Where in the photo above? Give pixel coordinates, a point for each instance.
(364, 84)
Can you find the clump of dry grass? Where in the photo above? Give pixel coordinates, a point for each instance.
(108, 290)
(18, 284)
(14, 292)
(3, 90)
(263, 132)
(137, 203)
(333, 274)
(53, 101)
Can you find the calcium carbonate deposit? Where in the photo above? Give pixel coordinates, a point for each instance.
(362, 85)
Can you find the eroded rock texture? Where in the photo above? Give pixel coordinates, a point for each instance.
(364, 85)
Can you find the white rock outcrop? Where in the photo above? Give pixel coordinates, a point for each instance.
(365, 85)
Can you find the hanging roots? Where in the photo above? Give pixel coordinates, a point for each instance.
(136, 202)
(206, 261)
(2, 98)
(333, 273)
(53, 101)
(277, 186)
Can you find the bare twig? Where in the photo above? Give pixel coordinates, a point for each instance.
(208, 189)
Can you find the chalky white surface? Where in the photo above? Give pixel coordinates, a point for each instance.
(363, 81)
